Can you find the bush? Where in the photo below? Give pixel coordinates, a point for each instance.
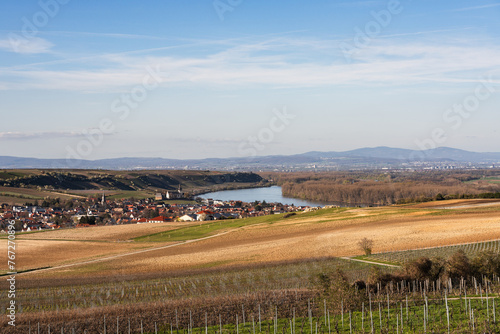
(424, 268)
(366, 245)
(458, 266)
(439, 197)
(379, 277)
(486, 263)
(336, 290)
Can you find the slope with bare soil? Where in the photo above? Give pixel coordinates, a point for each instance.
(332, 233)
(47, 253)
(104, 233)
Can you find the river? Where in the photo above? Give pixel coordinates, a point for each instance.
(268, 194)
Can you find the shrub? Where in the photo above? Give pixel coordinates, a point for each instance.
(486, 263)
(458, 266)
(424, 268)
(335, 289)
(378, 277)
(366, 245)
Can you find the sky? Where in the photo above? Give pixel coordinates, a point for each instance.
(232, 78)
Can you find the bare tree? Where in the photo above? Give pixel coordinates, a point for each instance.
(366, 245)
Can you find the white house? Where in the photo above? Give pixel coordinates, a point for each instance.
(188, 218)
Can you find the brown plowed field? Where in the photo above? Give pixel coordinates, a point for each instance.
(329, 234)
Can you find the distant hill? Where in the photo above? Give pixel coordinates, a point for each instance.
(400, 154)
(125, 180)
(374, 157)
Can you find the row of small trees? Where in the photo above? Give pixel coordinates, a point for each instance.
(456, 268)
(336, 290)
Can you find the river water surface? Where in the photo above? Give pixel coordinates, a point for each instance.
(268, 194)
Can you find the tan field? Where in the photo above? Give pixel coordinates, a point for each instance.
(457, 203)
(59, 247)
(42, 253)
(104, 233)
(285, 241)
(332, 233)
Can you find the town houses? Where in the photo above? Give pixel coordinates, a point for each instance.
(93, 211)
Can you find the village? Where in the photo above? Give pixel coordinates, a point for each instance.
(163, 207)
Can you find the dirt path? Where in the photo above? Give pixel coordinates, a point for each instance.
(334, 235)
(370, 262)
(122, 255)
(64, 194)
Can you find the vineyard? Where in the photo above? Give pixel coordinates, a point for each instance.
(209, 284)
(402, 257)
(405, 307)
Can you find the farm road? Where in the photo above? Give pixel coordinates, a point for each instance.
(371, 262)
(125, 254)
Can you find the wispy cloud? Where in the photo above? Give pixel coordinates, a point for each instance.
(276, 62)
(19, 44)
(358, 3)
(100, 34)
(476, 7)
(200, 140)
(427, 32)
(39, 135)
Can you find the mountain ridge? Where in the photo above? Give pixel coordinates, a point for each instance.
(379, 155)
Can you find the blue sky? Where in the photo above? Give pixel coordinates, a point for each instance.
(178, 79)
